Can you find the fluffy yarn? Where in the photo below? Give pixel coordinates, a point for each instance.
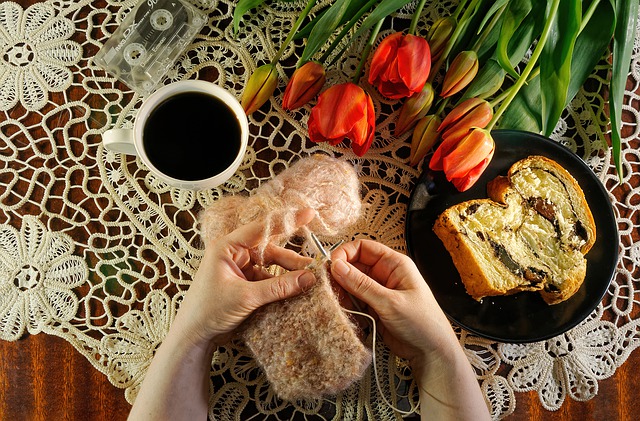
(307, 346)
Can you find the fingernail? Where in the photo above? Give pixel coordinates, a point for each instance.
(306, 280)
(340, 267)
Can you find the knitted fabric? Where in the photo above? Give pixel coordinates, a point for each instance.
(307, 346)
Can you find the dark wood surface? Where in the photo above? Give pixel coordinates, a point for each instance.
(43, 377)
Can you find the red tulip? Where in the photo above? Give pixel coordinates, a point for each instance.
(343, 111)
(400, 65)
(464, 161)
(304, 85)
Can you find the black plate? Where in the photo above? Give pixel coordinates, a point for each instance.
(523, 317)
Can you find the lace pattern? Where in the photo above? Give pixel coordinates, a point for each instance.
(96, 250)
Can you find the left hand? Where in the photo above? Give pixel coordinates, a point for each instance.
(228, 286)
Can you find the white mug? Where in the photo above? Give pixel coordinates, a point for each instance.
(186, 148)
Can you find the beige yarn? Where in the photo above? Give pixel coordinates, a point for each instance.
(307, 346)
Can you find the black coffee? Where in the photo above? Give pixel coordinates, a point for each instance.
(192, 136)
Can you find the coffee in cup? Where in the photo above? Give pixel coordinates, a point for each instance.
(190, 134)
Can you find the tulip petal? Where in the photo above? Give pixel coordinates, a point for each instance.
(361, 146)
(414, 62)
(443, 150)
(461, 72)
(469, 152)
(464, 183)
(304, 85)
(424, 137)
(384, 55)
(260, 86)
(400, 65)
(459, 111)
(343, 111)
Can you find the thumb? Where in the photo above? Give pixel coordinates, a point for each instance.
(357, 283)
(283, 286)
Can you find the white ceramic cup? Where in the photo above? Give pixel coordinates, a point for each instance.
(130, 141)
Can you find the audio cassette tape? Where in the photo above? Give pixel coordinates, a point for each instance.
(149, 41)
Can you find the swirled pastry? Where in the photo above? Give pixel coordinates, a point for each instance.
(530, 235)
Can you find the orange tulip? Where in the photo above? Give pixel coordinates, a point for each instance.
(474, 112)
(343, 111)
(461, 72)
(425, 135)
(400, 65)
(414, 108)
(260, 86)
(304, 85)
(439, 35)
(464, 161)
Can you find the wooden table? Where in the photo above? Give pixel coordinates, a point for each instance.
(43, 378)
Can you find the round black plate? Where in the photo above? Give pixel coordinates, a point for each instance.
(522, 317)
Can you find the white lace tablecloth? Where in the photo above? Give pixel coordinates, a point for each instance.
(97, 251)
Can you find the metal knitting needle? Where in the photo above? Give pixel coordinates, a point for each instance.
(326, 256)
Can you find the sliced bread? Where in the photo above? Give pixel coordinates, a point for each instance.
(531, 234)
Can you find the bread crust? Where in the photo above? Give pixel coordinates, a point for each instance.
(470, 267)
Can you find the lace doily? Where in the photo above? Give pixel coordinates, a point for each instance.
(97, 251)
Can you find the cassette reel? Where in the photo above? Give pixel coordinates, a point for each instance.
(149, 41)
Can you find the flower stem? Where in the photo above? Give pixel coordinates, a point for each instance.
(367, 50)
(513, 91)
(487, 29)
(293, 31)
(459, 9)
(416, 17)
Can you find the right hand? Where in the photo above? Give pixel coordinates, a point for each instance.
(412, 323)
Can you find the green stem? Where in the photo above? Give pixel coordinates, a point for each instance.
(367, 50)
(497, 100)
(452, 40)
(529, 67)
(293, 31)
(344, 31)
(487, 29)
(416, 17)
(588, 14)
(459, 9)
(441, 105)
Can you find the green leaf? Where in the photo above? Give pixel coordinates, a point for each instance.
(524, 111)
(352, 10)
(624, 34)
(382, 10)
(555, 62)
(495, 7)
(591, 45)
(515, 14)
(324, 28)
(243, 7)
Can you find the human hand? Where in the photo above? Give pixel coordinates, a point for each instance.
(228, 286)
(412, 323)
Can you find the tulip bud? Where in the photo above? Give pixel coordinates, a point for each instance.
(439, 35)
(260, 87)
(463, 162)
(414, 108)
(304, 85)
(473, 112)
(424, 137)
(461, 72)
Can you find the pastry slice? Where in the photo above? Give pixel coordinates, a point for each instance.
(531, 234)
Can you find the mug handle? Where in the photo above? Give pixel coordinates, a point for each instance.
(119, 140)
